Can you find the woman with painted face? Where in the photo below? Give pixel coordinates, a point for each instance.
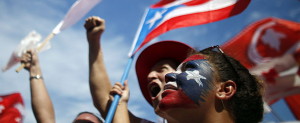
(211, 87)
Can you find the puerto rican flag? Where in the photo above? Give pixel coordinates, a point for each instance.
(171, 14)
(270, 49)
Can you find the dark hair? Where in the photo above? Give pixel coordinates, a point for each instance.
(246, 105)
(86, 112)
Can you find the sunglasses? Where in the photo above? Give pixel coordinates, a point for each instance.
(217, 49)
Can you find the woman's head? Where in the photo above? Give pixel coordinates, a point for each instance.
(211, 78)
(246, 105)
(154, 62)
(156, 78)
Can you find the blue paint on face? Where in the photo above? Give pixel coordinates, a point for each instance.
(196, 79)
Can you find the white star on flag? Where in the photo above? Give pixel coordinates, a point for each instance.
(196, 76)
(1, 108)
(157, 16)
(18, 119)
(272, 38)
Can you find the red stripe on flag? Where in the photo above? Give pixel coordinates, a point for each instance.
(162, 3)
(294, 104)
(196, 2)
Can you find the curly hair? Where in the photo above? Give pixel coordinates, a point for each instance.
(246, 105)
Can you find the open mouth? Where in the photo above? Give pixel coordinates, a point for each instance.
(154, 89)
(171, 85)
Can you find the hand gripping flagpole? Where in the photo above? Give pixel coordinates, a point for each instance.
(114, 104)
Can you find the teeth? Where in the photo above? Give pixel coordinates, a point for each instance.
(174, 84)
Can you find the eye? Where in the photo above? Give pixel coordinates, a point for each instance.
(191, 65)
(163, 69)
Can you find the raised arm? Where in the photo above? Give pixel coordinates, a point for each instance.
(40, 100)
(99, 81)
(100, 85)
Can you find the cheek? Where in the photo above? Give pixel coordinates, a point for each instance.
(196, 85)
(175, 99)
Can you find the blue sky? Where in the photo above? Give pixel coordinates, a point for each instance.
(65, 65)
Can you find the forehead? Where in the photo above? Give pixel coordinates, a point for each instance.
(165, 62)
(198, 59)
(194, 57)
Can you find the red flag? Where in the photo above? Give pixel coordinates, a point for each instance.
(270, 48)
(167, 15)
(265, 39)
(294, 104)
(11, 108)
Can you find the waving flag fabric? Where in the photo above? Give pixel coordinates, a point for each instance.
(11, 108)
(171, 14)
(294, 104)
(31, 41)
(270, 48)
(75, 13)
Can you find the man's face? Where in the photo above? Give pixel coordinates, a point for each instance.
(156, 79)
(189, 85)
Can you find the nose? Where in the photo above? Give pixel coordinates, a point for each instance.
(151, 76)
(170, 77)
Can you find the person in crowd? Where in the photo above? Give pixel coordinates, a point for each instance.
(40, 100)
(153, 63)
(207, 87)
(87, 117)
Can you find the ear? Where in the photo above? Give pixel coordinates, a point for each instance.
(226, 90)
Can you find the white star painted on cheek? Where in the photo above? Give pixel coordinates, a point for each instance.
(196, 76)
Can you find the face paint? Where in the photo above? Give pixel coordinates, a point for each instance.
(194, 77)
(175, 99)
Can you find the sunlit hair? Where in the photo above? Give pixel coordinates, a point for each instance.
(246, 105)
(86, 112)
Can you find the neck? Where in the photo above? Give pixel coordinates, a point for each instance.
(210, 115)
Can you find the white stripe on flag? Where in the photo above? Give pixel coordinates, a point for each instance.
(209, 6)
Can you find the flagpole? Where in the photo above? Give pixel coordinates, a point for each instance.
(74, 14)
(114, 104)
(46, 40)
(137, 34)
